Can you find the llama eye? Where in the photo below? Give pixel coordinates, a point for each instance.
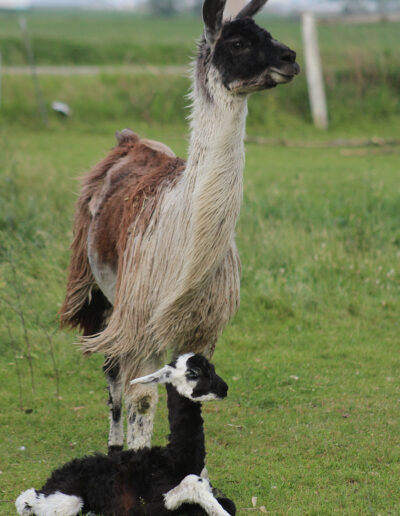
(193, 373)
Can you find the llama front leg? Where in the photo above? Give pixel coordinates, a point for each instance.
(55, 504)
(194, 490)
(141, 407)
(114, 381)
(141, 401)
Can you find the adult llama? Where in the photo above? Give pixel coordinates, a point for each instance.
(154, 264)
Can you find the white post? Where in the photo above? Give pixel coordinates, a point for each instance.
(315, 81)
(29, 51)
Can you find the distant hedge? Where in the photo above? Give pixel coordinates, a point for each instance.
(163, 99)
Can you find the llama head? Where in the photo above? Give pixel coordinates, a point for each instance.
(192, 376)
(245, 56)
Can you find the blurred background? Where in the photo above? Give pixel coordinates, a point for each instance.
(105, 58)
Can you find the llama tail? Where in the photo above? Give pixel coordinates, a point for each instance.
(56, 504)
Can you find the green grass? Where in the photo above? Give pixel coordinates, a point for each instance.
(100, 38)
(311, 423)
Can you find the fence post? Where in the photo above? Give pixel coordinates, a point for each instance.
(29, 51)
(315, 81)
(0, 78)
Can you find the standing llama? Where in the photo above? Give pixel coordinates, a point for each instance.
(154, 264)
(152, 481)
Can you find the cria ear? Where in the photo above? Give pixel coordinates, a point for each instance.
(161, 376)
(251, 8)
(213, 11)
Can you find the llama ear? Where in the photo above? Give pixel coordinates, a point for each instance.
(213, 11)
(251, 8)
(161, 376)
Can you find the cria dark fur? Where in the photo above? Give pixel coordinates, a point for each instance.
(105, 484)
(132, 483)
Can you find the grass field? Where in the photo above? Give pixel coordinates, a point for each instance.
(311, 425)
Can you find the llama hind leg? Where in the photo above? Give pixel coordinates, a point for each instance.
(114, 381)
(196, 490)
(55, 504)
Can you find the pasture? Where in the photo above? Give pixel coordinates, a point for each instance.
(310, 426)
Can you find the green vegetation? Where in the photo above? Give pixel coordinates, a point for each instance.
(119, 38)
(135, 98)
(100, 38)
(311, 423)
(361, 67)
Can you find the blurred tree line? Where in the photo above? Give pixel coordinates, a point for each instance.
(174, 7)
(368, 6)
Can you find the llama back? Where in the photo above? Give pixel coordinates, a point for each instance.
(111, 197)
(82, 300)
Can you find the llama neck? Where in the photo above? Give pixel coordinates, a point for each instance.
(213, 176)
(186, 441)
(211, 195)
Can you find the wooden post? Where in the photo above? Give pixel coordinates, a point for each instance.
(315, 81)
(0, 77)
(29, 51)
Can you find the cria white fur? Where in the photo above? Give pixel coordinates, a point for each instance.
(177, 377)
(185, 386)
(57, 504)
(179, 380)
(194, 489)
(25, 501)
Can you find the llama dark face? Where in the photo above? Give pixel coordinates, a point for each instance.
(192, 376)
(246, 56)
(249, 59)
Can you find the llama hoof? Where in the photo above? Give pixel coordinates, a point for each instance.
(114, 450)
(228, 505)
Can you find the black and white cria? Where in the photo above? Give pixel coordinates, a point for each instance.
(152, 481)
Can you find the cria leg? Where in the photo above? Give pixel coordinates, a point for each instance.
(196, 490)
(56, 504)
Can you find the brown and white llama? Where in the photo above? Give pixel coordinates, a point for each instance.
(154, 264)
